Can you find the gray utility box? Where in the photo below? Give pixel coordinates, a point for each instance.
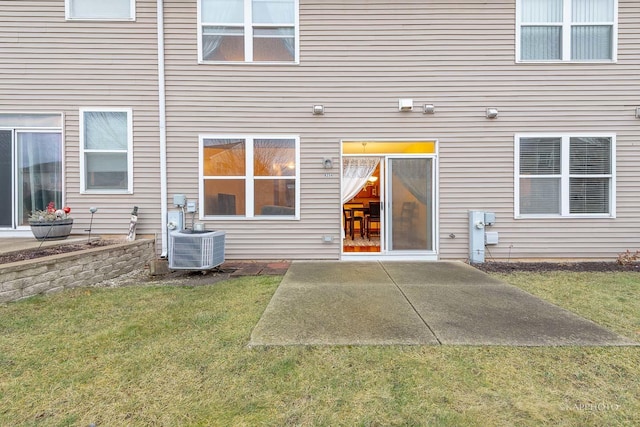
(196, 250)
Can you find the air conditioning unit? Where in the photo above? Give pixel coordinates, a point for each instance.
(196, 250)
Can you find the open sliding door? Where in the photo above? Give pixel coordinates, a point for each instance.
(404, 186)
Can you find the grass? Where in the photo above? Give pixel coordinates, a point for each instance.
(177, 356)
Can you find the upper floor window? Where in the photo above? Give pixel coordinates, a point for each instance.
(249, 176)
(564, 175)
(567, 30)
(106, 146)
(248, 30)
(101, 9)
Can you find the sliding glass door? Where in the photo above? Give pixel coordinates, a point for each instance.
(39, 172)
(30, 173)
(392, 186)
(409, 214)
(6, 179)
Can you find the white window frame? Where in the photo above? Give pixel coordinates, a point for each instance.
(22, 121)
(248, 38)
(69, 17)
(566, 25)
(564, 176)
(249, 177)
(129, 151)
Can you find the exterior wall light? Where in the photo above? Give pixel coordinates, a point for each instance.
(492, 113)
(318, 110)
(637, 112)
(405, 104)
(327, 163)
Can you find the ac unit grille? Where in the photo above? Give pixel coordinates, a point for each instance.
(190, 250)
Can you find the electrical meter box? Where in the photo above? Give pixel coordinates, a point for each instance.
(489, 218)
(179, 199)
(491, 238)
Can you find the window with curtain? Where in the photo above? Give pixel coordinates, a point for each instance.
(248, 30)
(249, 176)
(106, 150)
(567, 30)
(564, 175)
(101, 9)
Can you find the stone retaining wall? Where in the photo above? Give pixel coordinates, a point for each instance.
(75, 269)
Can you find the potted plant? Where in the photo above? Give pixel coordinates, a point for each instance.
(51, 223)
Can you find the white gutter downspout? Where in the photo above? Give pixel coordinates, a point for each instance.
(162, 106)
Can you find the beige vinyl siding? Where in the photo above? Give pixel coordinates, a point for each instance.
(357, 58)
(52, 65)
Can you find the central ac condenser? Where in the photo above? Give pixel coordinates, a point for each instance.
(194, 250)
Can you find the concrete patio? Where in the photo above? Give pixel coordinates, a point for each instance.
(415, 303)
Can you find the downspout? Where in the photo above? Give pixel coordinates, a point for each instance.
(162, 106)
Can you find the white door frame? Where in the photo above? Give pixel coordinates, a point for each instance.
(397, 255)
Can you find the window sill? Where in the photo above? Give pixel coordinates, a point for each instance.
(101, 19)
(115, 192)
(236, 63)
(565, 217)
(568, 61)
(254, 218)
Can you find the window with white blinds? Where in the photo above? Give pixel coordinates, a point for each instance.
(567, 30)
(564, 175)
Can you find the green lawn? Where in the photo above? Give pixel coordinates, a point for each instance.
(178, 356)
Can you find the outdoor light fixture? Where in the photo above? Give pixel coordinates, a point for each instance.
(318, 110)
(492, 113)
(327, 163)
(405, 104)
(429, 109)
(637, 112)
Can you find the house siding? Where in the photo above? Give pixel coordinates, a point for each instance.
(58, 66)
(357, 58)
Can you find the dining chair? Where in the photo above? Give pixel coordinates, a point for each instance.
(373, 217)
(350, 218)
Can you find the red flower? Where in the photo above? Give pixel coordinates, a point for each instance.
(51, 207)
(66, 209)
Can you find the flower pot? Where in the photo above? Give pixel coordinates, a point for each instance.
(51, 230)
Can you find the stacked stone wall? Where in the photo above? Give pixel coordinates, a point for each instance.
(75, 269)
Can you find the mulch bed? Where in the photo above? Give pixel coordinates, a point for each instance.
(52, 250)
(540, 267)
(489, 267)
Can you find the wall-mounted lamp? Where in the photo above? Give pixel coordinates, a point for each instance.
(405, 104)
(318, 110)
(429, 109)
(637, 112)
(492, 113)
(327, 163)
